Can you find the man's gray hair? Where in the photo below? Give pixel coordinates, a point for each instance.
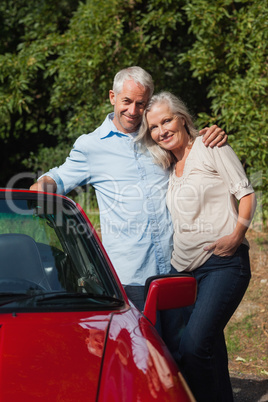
(135, 73)
(177, 107)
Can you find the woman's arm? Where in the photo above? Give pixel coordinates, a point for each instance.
(227, 245)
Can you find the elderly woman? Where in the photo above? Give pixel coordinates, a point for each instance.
(209, 237)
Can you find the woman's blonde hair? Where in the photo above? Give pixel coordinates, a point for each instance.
(161, 156)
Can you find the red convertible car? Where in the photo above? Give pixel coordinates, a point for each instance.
(67, 329)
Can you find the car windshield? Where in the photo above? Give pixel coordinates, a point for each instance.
(50, 258)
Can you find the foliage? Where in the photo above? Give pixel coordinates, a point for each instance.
(57, 68)
(231, 50)
(58, 59)
(30, 35)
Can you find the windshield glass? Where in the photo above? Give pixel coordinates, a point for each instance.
(50, 259)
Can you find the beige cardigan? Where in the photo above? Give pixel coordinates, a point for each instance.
(203, 202)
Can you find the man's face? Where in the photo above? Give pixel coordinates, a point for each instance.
(129, 106)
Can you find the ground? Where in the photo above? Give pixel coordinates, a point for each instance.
(247, 332)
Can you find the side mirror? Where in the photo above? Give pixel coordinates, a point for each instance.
(165, 292)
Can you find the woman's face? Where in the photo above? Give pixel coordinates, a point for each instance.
(167, 129)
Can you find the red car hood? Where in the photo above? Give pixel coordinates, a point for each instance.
(85, 356)
(51, 356)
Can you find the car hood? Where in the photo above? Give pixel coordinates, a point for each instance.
(85, 356)
(51, 356)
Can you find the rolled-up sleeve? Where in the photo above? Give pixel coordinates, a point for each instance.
(231, 171)
(75, 171)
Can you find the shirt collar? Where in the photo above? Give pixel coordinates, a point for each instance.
(114, 131)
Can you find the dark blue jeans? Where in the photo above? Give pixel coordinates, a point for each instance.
(136, 295)
(222, 282)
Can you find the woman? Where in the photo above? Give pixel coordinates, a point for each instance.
(209, 237)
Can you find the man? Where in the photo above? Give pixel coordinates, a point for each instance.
(135, 224)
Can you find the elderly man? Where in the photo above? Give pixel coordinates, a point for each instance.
(135, 224)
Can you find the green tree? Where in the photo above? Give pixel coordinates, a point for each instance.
(230, 53)
(56, 75)
(57, 62)
(30, 32)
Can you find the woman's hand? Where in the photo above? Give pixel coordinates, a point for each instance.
(225, 246)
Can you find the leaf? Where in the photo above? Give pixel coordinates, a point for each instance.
(240, 359)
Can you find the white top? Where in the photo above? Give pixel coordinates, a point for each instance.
(203, 202)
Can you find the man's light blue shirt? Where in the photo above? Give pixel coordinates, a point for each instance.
(131, 193)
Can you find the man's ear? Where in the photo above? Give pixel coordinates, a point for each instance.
(112, 97)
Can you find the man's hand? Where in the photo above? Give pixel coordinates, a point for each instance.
(45, 184)
(213, 135)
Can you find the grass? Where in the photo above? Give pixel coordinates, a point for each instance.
(87, 200)
(247, 331)
(246, 346)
